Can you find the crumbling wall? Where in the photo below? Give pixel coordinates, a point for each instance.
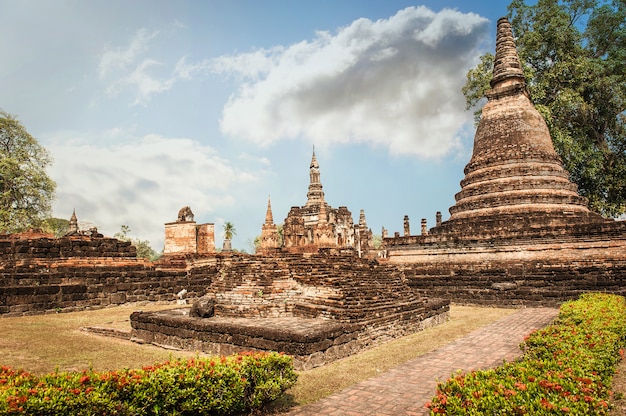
(60, 275)
(529, 272)
(18, 249)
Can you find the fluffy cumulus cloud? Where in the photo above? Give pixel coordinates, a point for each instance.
(142, 182)
(393, 82)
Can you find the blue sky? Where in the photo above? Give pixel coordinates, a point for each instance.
(148, 106)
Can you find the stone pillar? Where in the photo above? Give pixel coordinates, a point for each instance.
(384, 233)
(407, 228)
(424, 227)
(438, 218)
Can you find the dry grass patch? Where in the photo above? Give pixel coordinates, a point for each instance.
(43, 343)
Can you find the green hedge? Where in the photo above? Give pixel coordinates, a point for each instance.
(207, 386)
(567, 367)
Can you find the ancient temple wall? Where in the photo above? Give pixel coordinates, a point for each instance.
(69, 274)
(206, 238)
(180, 237)
(527, 273)
(12, 248)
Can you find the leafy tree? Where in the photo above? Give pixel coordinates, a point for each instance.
(122, 234)
(144, 250)
(57, 226)
(377, 241)
(256, 243)
(26, 191)
(574, 58)
(229, 230)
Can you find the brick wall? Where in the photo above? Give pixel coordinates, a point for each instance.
(69, 274)
(18, 249)
(525, 272)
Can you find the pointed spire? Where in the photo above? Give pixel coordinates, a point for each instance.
(73, 222)
(362, 221)
(269, 218)
(507, 65)
(314, 163)
(315, 194)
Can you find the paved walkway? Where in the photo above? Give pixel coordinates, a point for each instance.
(405, 389)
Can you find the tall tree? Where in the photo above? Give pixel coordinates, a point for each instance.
(26, 191)
(574, 57)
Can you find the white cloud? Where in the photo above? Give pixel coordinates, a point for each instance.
(143, 82)
(114, 59)
(142, 182)
(393, 82)
(185, 70)
(129, 69)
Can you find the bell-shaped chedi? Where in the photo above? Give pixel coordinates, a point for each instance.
(514, 183)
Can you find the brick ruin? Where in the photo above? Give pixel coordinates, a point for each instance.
(43, 274)
(317, 225)
(185, 237)
(519, 233)
(317, 307)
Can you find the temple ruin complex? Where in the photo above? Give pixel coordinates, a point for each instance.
(519, 234)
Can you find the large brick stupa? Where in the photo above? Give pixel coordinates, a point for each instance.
(519, 232)
(515, 184)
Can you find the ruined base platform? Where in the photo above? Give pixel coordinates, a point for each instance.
(312, 342)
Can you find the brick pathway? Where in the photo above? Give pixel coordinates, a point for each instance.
(405, 389)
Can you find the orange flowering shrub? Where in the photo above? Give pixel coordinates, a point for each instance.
(200, 386)
(567, 367)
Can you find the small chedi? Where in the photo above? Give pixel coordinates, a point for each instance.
(519, 231)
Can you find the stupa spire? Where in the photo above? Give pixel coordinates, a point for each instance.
(315, 195)
(515, 177)
(73, 222)
(269, 231)
(314, 160)
(269, 218)
(507, 65)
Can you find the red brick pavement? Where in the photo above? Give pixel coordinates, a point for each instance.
(405, 389)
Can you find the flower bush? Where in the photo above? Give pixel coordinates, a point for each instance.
(567, 367)
(200, 386)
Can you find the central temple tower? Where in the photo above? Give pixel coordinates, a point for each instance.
(317, 225)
